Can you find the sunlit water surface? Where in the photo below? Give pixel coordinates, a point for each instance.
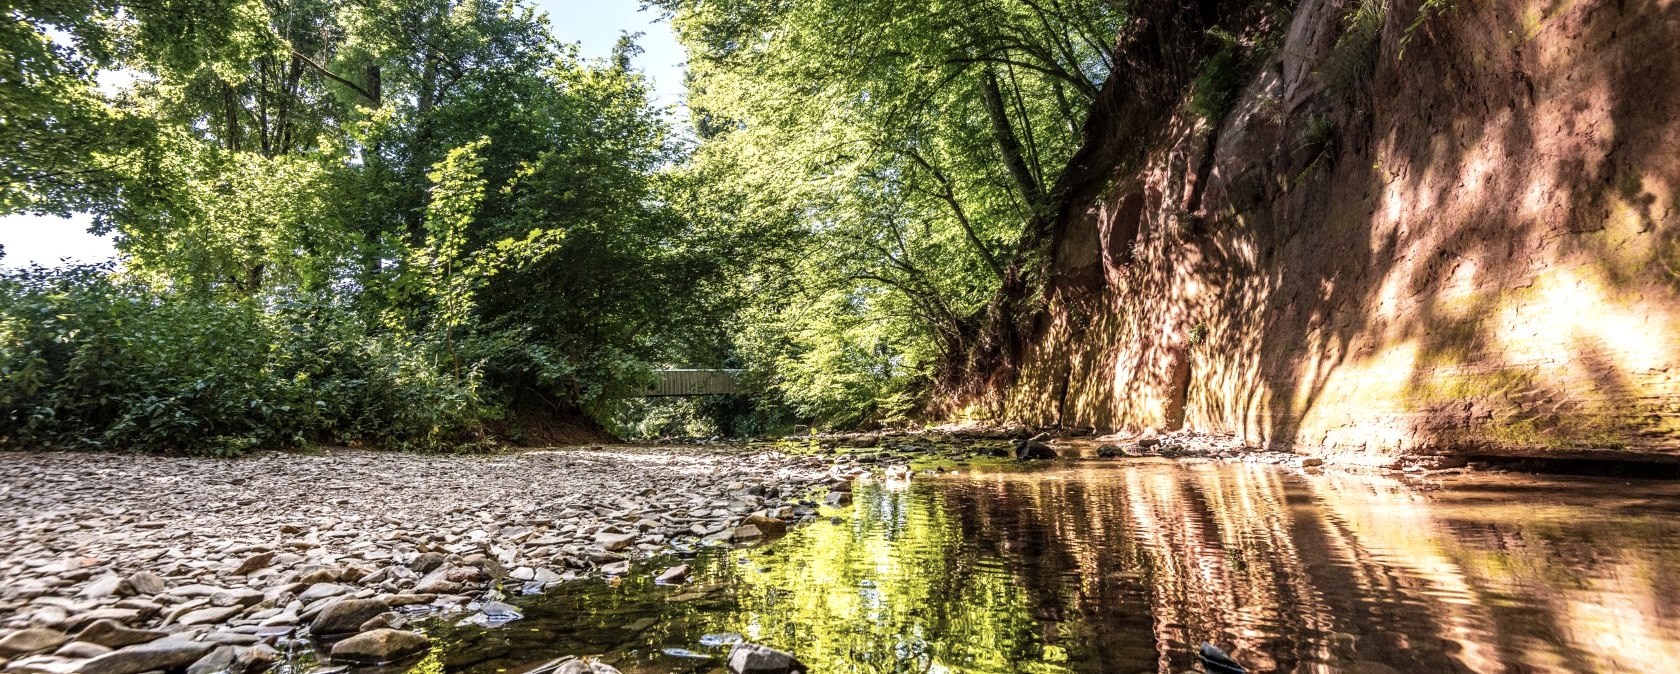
(1126, 566)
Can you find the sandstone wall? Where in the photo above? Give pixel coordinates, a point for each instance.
(1465, 239)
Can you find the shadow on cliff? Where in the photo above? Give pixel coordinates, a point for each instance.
(1512, 145)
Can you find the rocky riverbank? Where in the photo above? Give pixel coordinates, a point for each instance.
(120, 564)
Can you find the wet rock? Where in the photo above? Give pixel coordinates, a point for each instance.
(1311, 462)
(836, 499)
(343, 617)
(163, 654)
(616, 568)
(746, 533)
(1033, 450)
(585, 666)
(1149, 443)
(33, 640)
(1110, 451)
(673, 575)
(379, 646)
(745, 658)
(112, 634)
(769, 525)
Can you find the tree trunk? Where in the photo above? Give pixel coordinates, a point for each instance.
(1008, 144)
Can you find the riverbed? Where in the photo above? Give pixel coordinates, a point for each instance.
(1127, 565)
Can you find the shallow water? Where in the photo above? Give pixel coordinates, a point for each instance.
(1126, 566)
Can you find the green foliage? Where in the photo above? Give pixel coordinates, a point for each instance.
(877, 161)
(91, 361)
(1219, 80)
(1355, 52)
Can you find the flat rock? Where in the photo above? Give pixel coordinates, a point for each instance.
(163, 654)
(344, 617)
(379, 646)
(673, 575)
(112, 634)
(205, 616)
(33, 640)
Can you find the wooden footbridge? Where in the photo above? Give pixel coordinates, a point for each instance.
(694, 383)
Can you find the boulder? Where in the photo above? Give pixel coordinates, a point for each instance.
(33, 640)
(346, 616)
(163, 654)
(1033, 450)
(838, 499)
(380, 646)
(745, 658)
(112, 634)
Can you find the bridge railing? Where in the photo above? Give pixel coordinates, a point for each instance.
(694, 383)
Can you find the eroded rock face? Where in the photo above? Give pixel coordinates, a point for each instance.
(1317, 271)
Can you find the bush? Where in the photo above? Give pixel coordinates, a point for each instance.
(89, 360)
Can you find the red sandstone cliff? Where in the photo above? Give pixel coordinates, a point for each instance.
(1456, 233)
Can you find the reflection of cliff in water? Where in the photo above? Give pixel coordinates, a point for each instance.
(1332, 573)
(1126, 567)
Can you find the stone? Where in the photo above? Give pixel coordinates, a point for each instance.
(747, 533)
(745, 658)
(144, 583)
(32, 640)
(104, 586)
(585, 666)
(81, 650)
(616, 568)
(205, 616)
(615, 542)
(1109, 451)
(428, 562)
(321, 591)
(112, 634)
(254, 563)
(673, 575)
(836, 499)
(769, 525)
(240, 598)
(163, 654)
(379, 646)
(346, 616)
(1033, 450)
(1311, 462)
(218, 660)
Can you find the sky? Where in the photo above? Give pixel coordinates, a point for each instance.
(594, 24)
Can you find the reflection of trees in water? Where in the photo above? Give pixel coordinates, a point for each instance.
(1317, 574)
(1126, 568)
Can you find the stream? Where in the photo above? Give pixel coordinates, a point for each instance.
(1126, 566)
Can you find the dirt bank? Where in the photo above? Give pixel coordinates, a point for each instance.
(1421, 228)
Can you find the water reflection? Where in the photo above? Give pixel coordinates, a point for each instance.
(1107, 567)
